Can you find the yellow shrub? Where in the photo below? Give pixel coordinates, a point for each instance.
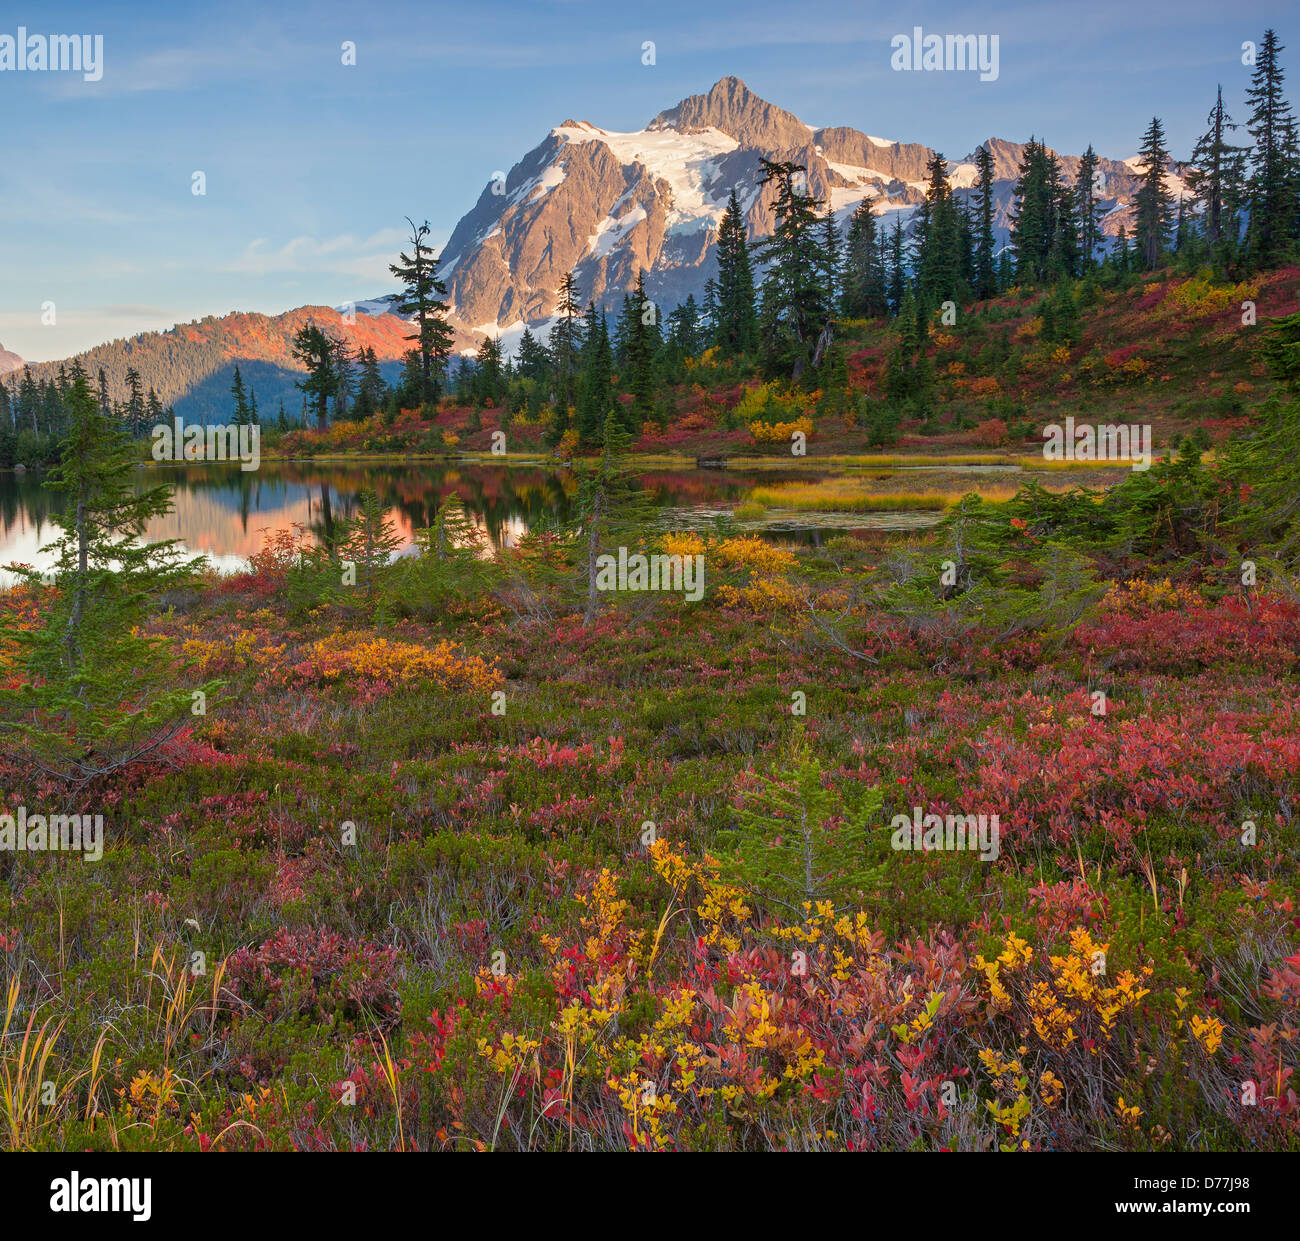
(567, 446)
(763, 595)
(779, 432)
(1162, 596)
(360, 655)
(683, 543)
(1201, 296)
(750, 552)
(765, 402)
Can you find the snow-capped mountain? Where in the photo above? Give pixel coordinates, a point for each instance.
(610, 204)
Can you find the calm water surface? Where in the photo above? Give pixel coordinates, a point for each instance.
(223, 513)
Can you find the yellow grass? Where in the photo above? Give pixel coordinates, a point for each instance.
(841, 495)
(34, 1089)
(865, 494)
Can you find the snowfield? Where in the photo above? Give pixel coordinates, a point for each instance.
(687, 162)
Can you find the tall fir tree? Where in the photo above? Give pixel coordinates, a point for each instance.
(937, 239)
(1273, 165)
(831, 246)
(595, 394)
(532, 361)
(734, 316)
(984, 273)
(316, 352)
(134, 402)
(1087, 207)
(864, 294)
(565, 347)
(424, 297)
(239, 413)
(897, 267)
(795, 304)
(640, 341)
(489, 373)
(1067, 258)
(1033, 215)
(1214, 177)
(92, 693)
(1153, 203)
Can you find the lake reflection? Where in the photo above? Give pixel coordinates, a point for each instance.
(222, 512)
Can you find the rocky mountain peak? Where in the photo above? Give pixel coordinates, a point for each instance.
(608, 205)
(730, 106)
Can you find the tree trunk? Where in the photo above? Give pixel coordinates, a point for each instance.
(593, 552)
(72, 643)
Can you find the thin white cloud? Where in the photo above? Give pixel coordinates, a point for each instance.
(365, 258)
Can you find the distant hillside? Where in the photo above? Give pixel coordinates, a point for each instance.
(9, 361)
(191, 365)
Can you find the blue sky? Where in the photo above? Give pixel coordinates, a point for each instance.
(311, 165)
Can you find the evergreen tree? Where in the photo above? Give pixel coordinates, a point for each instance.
(795, 302)
(614, 510)
(533, 361)
(316, 352)
(1271, 186)
(8, 435)
(344, 370)
(370, 383)
(709, 311)
(897, 271)
(94, 694)
(1215, 175)
(239, 416)
(1043, 222)
(1122, 257)
(684, 329)
(834, 262)
(134, 403)
(937, 239)
(424, 297)
(796, 843)
(1067, 257)
(1152, 204)
(640, 341)
(565, 346)
(733, 311)
(368, 541)
(985, 279)
(1267, 462)
(595, 392)
(1087, 207)
(489, 373)
(863, 294)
